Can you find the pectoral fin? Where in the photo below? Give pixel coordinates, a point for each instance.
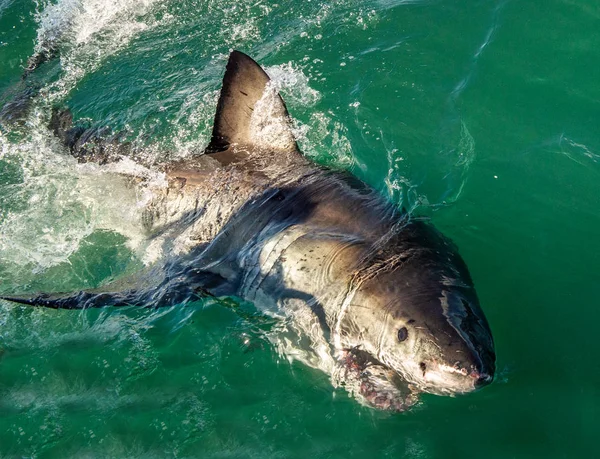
(78, 300)
(161, 286)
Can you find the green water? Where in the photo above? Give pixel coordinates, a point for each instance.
(484, 115)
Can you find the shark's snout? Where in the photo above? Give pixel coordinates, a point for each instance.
(440, 377)
(482, 379)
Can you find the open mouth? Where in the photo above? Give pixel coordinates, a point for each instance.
(375, 384)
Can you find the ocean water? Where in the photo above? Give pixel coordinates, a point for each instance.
(483, 115)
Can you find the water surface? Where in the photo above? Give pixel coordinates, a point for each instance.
(483, 115)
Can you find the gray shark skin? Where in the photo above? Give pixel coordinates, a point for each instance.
(379, 300)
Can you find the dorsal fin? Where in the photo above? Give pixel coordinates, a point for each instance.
(239, 121)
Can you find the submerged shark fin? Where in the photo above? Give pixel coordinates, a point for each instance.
(151, 288)
(146, 288)
(86, 299)
(78, 300)
(250, 112)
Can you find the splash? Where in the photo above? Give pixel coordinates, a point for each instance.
(322, 138)
(87, 33)
(53, 204)
(50, 203)
(294, 84)
(193, 124)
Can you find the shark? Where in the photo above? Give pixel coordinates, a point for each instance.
(378, 299)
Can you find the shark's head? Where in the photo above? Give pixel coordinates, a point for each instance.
(415, 310)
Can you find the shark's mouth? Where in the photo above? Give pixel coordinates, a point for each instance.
(373, 383)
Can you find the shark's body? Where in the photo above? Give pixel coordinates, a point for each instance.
(381, 302)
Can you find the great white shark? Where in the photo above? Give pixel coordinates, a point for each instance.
(378, 299)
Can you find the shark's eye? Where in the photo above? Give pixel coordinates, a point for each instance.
(402, 334)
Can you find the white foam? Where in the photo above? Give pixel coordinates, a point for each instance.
(323, 135)
(268, 126)
(195, 116)
(292, 81)
(87, 32)
(57, 203)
